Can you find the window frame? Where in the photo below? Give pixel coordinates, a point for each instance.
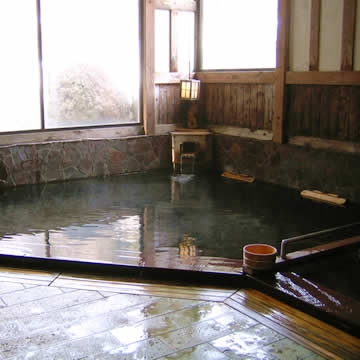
(78, 132)
(174, 76)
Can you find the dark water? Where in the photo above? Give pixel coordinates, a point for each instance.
(119, 219)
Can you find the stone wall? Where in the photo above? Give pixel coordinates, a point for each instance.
(66, 160)
(290, 166)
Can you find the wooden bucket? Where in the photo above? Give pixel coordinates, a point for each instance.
(258, 257)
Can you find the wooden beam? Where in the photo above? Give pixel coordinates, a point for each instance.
(181, 5)
(323, 78)
(245, 77)
(348, 35)
(315, 35)
(282, 56)
(148, 66)
(171, 78)
(326, 144)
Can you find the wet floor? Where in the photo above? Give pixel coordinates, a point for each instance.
(156, 219)
(54, 316)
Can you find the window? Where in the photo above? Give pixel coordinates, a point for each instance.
(239, 34)
(174, 40)
(19, 71)
(90, 63)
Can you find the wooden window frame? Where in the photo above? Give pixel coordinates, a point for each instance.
(174, 76)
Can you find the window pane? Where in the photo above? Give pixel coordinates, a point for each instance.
(186, 41)
(239, 34)
(162, 40)
(91, 62)
(19, 71)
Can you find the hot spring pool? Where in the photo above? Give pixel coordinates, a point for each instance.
(156, 220)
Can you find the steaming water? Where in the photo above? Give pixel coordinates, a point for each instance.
(122, 219)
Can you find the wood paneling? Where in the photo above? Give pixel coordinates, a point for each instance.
(245, 77)
(315, 35)
(168, 107)
(239, 105)
(323, 77)
(328, 112)
(348, 35)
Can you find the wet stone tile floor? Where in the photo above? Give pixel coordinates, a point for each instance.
(41, 320)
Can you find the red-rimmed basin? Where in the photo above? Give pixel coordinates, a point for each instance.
(259, 256)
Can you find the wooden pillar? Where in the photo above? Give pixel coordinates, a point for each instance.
(148, 66)
(315, 35)
(282, 56)
(348, 35)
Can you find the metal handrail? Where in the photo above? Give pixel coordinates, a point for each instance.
(285, 242)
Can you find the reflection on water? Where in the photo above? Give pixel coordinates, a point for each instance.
(141, 219)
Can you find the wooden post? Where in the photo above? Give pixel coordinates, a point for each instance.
(348, 35)
(282, 55)
(148, 66)
(315, 35)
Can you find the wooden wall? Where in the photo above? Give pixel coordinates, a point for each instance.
(326, 112)
(168, 107)
(312, 95)
(238, 105)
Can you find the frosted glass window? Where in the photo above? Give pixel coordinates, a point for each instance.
(162, 40)
(186, 41)
(239, 34)
(91, 62)
(19, 70)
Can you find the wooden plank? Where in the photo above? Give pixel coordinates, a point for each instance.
(294, 110)
(163, 105)
(315, 35)
(245, 77)
(253, 106)
(263, 135)
(315, 111)
(308, 331)
(170, 104)
(157, 104)
(324, 112)
(326, 144)
(233, 103)
(177, 104)
(324, 77)
(260, 107)
(334, 111)
(348, 35)
(268, 107)
(174, 44)
(344, 103)
(227, 99)
(247, 104)
(353, 132)
(148, 65)
(282, 55)
(307, 111)
(219, 104)
(238, 121)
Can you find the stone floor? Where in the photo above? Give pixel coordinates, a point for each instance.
(56, 316)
